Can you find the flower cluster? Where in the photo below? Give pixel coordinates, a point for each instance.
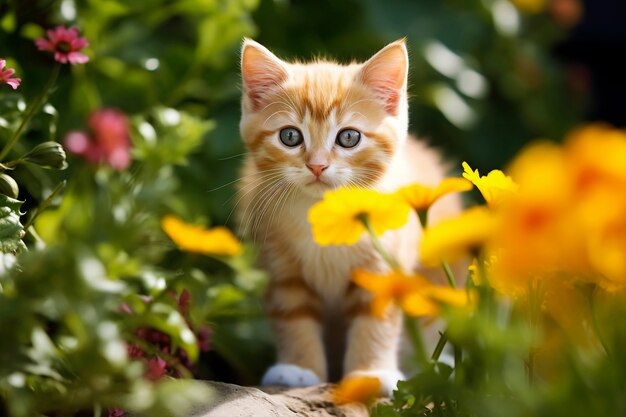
(552, 228)
(569, 215)
(563, 217)
(155, 348)
(108, 142)
(344, 215)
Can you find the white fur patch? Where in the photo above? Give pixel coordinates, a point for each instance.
(289, 375)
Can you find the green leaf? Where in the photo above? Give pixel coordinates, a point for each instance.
(11, 230)
(168, 320)
(168, 136)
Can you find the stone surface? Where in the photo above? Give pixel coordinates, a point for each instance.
(236, 401)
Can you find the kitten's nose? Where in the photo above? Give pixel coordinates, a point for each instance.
(316, 169)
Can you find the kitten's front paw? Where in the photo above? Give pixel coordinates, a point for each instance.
(289, 375)
(388, 378)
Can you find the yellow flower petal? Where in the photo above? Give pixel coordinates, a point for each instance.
(336, 219)
(452, 237)
(427, 301)
(421, 197)
(387, 287)
(356, 389)
(456, 297)
(193, 238)
(417, 305)
(598, 154)
(495, 187)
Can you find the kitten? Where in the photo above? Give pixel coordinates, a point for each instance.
(310, 128)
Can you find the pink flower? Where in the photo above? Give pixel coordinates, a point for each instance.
(116, 412)
(135, 351)
(157, 367)
(5, 75)
(66, 45)
(109, 143)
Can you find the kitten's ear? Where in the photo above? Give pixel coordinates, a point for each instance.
(386, 74)
(261, 72)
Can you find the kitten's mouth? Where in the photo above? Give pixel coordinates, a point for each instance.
(318, 181)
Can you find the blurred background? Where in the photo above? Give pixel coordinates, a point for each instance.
(486, 78)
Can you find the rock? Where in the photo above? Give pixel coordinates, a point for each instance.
(236, 401)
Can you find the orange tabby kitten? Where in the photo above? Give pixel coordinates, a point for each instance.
(310, 128)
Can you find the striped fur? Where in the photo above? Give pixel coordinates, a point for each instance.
(310, 285)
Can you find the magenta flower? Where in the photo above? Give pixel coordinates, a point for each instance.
(157, 367)
(109, 141)
(66, 45)
(116, 412)
(5, 75)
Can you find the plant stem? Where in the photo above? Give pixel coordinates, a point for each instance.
(534, 305)
(377, 245)
(44, 204)
(458, 360)
(443, 339)
(31, 111)
(423, 217)
(531, 365)
(415, 334)
(448, 272)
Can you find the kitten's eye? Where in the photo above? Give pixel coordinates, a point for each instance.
(348, 138)
(291, 136)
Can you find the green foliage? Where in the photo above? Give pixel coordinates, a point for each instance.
(96, 273)
(11, 230)
(82, 246)
(510, 368)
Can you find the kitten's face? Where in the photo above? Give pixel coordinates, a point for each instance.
(318, 126)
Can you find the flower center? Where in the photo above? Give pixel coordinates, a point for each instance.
(64, 47)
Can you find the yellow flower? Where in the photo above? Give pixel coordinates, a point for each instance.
(361, 389)
(414, 294)
(421, 197)
(543, 172)
(598, 155)
(336, 220)
(428, 300)
(452, 237)
(494, 187)
(603, 224)
(193, 238)
(386, 288)
(568, 216)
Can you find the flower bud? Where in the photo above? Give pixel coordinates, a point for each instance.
(8, 186)
(47, 155)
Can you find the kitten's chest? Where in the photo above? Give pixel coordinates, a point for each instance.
(327, 269)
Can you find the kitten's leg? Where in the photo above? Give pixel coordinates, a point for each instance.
(372, 342)
(296, 313)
